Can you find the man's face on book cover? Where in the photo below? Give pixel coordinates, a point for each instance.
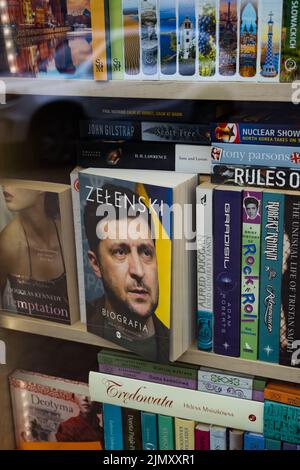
(128, 266)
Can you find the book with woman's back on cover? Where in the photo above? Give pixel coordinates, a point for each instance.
(142, 256)
(37, 251)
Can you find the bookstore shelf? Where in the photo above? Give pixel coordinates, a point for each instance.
(232, 91)
(77, 333)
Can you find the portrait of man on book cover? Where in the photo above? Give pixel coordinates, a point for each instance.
(123, 254)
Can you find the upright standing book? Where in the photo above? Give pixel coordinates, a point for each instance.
(139, 250)
(37, 251)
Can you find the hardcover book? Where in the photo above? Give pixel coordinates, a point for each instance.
(37, 251)
(51, 413)
(281, 422)
(137, 248)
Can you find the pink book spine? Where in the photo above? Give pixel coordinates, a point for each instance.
(202, 441)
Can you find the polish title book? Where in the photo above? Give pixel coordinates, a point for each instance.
(52, 413)
(141, 256)
(37, 250)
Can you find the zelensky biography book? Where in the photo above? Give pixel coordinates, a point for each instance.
(170, 401)
(37, 251)
(52, 413)
(137, 247)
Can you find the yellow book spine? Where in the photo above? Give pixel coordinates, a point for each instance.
(99, 39)
(184, 434)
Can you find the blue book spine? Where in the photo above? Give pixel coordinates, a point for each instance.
(149, 431)
(281, 422)
(253, 441)
(227, 275)
(257, 155)
(113, 427)
(256, 134)
(270, 276)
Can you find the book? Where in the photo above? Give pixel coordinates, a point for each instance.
(281, 422)
(202, 436)
(170, 401)
(141, 255)
(52, 413)
(290, 298)
(113, 427)
(254, 441)
(184, 434)
(236, 439)
(290, 42)
(227, 276)
(218, 438)
(165, 432)
(249, 175)
(149, 431)
(204, 226)
(272, 444)
(283, 393)
(217, 381)
(250, 269)
(116, 39)
(270, 275)
(132, 429)
(138, 156)
(38, 261)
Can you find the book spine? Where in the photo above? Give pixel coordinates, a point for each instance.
(202, 439)
(255, 134)
(288, 446)
(148, 376)
(99, 44)
(149, 431)
(226, 254)
(218, 440)
(250, 262)
(258, 155)
(272, 444)
(137, 155)
(132, 429)
(170, 401)
(264, 177)
(113, 427)
(270, 276)
(116, 39)
(254, 441)
(281, 422)
(78, 243)
(95, 129)
(282, 397)
(290, 59)
(166, 432)
(204, 225)
(236, 439)
(211, 387)
(184, 434)
(290, 294)
(226, 379)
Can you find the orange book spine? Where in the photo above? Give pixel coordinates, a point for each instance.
(99, 40)
(282, 397)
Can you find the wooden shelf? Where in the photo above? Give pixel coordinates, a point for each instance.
(233, 91)
(78, 333)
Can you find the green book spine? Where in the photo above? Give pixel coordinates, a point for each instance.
(116, 39)
(290, 45)
(250, 266)
(166, 432)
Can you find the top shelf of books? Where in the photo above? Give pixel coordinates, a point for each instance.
(230, 91)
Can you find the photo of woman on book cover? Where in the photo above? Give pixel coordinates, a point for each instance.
(32, 270)
(123, 256)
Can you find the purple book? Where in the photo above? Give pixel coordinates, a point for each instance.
(227, 276)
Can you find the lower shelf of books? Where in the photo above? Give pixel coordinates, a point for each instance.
(77, 332)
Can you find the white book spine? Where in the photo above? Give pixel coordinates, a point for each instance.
(225, 379)
(204, 223)
(217, 438)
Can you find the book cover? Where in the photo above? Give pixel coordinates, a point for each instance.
(270, 17)
(170, 401)
(290, 42)
(166, 432)
(132, 429)
(52, 41)
(116, 39)
(100, 40)
(250, 269)
(290, 322)
(281, 422)
(270, 276)
(227, 277)
(204, 226)
(149, 431)
(184, 434)
(248, 175)
(258, 155)
(52, 413)
(207, 38)
(38, 261)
